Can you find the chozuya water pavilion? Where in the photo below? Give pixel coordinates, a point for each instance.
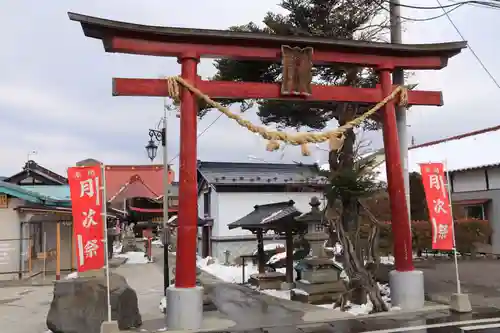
(298, 54)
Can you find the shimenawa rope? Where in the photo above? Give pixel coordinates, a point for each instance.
(335, 137)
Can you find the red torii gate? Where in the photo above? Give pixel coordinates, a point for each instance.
(189, 45)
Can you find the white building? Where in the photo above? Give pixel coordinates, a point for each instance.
(228, 191)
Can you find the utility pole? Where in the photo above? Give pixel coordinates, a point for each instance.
(166, 187)
(398, 79)
(401, 295)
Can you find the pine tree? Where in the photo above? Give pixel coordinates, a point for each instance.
(335, 19)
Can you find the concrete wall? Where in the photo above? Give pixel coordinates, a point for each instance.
(492, 210)
(238, 248)
(67, 248)
(481, 184)
(474, 180)
(493, 178)
(10, 240)
(227, 207)
(230, 207)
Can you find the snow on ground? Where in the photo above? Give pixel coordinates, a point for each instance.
(353, 309)
(270, 247)
(336, 250)
(157, 242)
(133, 257)
(117, 247)
(163, 305)
(233, 274)
(277, 257)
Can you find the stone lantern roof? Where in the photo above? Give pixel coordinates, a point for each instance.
(315, 215)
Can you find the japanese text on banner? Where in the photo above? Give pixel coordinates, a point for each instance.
(85, 185)
(438, 203)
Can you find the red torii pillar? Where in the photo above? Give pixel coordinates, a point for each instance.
(187, 232)
(188, 45)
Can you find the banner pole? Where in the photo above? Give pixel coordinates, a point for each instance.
(106, 238)
(448, 186)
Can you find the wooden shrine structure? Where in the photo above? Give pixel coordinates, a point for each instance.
(298, 54)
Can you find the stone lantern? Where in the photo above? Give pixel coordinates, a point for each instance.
(319, 277)
(316, 235)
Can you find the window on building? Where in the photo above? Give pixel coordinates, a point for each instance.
(475, 212)
(206, 203)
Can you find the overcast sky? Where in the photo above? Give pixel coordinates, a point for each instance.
(55, 85)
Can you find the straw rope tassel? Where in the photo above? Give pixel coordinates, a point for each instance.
(272, 145)
(305, 150)
(335, 137)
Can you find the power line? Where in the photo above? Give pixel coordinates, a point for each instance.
(445, 13)
(480, 3)
(202, 132)
(455, 7)
(470, 48)
(456, 137)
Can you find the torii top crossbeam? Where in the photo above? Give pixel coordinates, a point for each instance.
(215, 43)
(121, 37)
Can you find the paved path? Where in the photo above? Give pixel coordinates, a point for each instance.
(244, 306)
(24, 309)
(480, 278)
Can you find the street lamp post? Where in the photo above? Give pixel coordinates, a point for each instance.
(152, 149)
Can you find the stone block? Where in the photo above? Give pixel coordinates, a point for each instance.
(460, 303)
(110, 327)
(303, 297)
(287, 286)
(271, 280)
(318, 288)
(80, 305)
(321, 276)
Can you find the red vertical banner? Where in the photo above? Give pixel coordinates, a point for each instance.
(85, 185)
(438, 204)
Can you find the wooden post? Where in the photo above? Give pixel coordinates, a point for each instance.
(58, 250)
(289, 255)
(30, 262)
(71, 248)
(260, 251)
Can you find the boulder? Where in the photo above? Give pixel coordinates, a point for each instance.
(80, 305)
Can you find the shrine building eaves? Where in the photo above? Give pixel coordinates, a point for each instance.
(116, 34)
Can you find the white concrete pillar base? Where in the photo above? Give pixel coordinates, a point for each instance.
(110, 327)
(407, 289)
(460, 303)
(184, 308)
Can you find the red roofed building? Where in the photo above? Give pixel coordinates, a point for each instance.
(136, 180)
(128, 181)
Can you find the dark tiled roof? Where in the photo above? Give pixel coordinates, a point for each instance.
(228, 173)
(32, 166)
(265, 215)
(477, 167)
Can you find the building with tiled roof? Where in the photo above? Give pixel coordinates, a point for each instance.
(228, 191)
